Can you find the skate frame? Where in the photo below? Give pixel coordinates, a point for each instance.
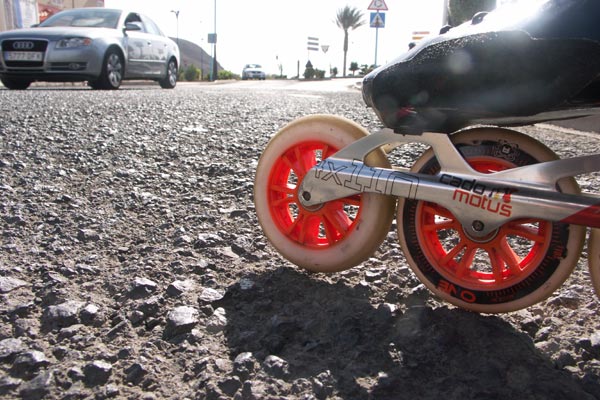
(482, 203)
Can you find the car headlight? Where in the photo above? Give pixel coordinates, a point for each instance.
(70, 43)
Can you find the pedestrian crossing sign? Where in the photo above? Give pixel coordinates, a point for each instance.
(377, 20)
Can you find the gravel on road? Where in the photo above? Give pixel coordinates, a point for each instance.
(132, 266)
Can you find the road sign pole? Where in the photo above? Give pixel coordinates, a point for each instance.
(377, 21)
(376, 45)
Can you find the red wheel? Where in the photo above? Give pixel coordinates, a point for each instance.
(519, 264)
(335, 236)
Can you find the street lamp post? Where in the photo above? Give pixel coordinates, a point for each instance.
(177, 19)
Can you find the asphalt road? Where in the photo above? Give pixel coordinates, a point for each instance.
(132, 266)
(587, 124)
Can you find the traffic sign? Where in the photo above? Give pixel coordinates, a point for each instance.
(377, 20)
(378, 5)
(312, 44)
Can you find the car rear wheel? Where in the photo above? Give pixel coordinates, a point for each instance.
(170, 80)
(15, 83)
(113, 69)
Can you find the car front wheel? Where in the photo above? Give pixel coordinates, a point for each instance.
(113, 69)
(15, 83)
(170, 80)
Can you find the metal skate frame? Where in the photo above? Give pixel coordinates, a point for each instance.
(482, 203)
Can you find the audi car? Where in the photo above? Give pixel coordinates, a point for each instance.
(253, 71)
(99, 45)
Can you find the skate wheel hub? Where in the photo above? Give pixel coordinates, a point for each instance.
(481, 239)
(478, 225)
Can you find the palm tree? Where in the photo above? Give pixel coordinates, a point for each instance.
(348, 18)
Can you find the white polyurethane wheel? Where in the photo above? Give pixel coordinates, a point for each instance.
(340, 234)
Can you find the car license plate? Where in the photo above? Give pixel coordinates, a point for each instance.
(23, 56)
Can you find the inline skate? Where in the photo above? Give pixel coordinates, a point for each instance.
(488, 218)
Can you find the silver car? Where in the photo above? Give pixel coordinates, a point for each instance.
(99, 45)
(253, 71)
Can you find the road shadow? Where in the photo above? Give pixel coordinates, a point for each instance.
(332, 332)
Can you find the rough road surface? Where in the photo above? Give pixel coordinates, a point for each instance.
(132, 266)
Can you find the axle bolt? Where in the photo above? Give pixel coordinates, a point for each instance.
(306, 196)
(478, 226)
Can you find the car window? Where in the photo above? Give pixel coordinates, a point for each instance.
(98, 18)
(151, 27)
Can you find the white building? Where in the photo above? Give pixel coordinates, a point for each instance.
(24, 13)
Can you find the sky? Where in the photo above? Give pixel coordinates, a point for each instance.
(275, 32)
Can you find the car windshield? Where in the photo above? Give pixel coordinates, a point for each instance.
(99, 18)
(253, 66)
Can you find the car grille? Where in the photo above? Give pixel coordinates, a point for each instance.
(23, 46)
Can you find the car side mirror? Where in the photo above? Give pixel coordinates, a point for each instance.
(132, 26)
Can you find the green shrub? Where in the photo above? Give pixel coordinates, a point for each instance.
(225, 75)
(192, 73)
(309, 73)
(312, 73)
(365, 69)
